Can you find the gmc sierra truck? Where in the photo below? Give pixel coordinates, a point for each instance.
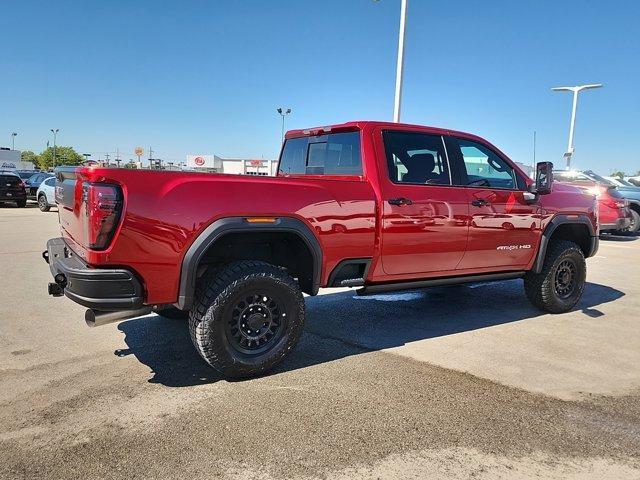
(380, 206)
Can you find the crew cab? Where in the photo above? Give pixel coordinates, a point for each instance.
(374, 205)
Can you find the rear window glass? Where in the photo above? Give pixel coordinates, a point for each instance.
(333, 154)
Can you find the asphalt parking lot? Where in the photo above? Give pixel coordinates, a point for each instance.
(458, 382)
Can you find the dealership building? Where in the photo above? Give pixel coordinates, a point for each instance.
(11, 160)
(241, 166)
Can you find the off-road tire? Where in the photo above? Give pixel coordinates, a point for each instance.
(542, 288)
(219, 294)
(42, 203)
(21, 203)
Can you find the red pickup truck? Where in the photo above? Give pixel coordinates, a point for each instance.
(381, 206)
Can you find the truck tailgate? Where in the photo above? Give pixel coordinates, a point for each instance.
(68, 193)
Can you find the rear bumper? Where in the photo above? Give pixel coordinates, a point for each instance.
(620, 224)
(96, 288)
(12, 196)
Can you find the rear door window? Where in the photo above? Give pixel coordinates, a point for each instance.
(332, 154)
(416, 158)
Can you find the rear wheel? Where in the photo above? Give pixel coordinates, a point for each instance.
(559, 286)
(43, 205)
(246, 318)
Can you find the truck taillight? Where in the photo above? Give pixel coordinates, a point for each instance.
(102, 204)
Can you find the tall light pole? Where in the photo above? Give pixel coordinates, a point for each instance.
(397, 103)
(13, 140)
(283, 113)
(576, 90)
(55, 132)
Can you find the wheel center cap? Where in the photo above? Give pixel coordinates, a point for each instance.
(255, 321)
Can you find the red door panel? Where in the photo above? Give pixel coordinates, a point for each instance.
(503, 230)
(430, 235)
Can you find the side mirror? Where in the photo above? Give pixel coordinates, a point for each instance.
(544, 178)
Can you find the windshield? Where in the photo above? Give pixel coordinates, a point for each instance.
(622, 181)
(24, 175)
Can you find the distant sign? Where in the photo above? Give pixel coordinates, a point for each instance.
(204, 161)
(139, 151)
(256, 163)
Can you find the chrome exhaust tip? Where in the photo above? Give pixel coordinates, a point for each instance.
(97, 318)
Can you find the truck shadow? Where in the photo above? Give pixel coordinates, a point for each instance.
(343, 324)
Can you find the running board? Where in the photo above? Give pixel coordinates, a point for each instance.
(437, 282)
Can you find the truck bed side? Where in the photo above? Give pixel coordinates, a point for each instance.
(164, 212)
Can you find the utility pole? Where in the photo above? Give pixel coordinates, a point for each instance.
(118, 157)
(106, 156)
(283, 112)
(576, 90)
(397, 103)
(150, 157)
(55, 132)
(13, 140)
(534, 150)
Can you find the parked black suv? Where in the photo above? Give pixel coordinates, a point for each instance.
(12, 189)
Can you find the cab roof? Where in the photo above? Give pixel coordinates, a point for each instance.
(362, 124)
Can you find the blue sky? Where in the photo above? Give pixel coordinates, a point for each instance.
(207, 76)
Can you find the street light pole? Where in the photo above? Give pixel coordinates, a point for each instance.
(576, 90)
(13, 140)
(397, 103)
(55, 132)
(283, 112)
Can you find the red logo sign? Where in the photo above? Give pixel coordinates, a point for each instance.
(199, 161)
(256, 163)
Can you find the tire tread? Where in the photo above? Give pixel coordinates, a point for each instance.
(213, 289)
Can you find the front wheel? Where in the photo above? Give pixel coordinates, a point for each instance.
(246, 318)
(559, 286)
(634, 228)
(42, 204)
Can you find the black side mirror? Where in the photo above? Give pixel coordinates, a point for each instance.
(544, 178)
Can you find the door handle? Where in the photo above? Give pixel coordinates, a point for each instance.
(480, 202)
(400, 201)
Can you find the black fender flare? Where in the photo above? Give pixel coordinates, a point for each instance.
(555, 222)
(224, 226)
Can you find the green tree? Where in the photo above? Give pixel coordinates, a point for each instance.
(29, 156)
(130, 165)
(64, 156)
(618, 173)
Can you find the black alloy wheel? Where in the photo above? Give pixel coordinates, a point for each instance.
(565, 278)
(256, 322)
